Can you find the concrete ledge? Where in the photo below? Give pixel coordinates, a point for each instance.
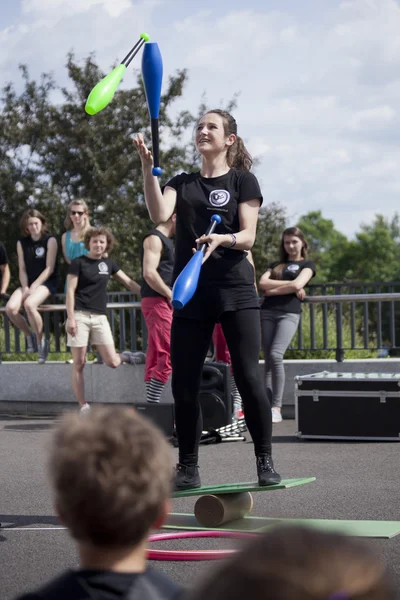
(28, 389)
(31, 389)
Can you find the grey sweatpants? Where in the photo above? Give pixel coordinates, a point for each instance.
(277, 331)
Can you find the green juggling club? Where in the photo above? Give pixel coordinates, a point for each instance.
(103, 92)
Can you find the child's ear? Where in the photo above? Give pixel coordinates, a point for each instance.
(162, 516)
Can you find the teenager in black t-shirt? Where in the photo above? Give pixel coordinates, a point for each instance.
(4, 273)
(37, 262)
(86, 300)
(226, 291)
(283, 286)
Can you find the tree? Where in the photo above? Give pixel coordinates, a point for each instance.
(327, 246)
(271, 223)
(375, 253)
(53, 153)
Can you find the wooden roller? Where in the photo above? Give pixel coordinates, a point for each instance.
(215, 510)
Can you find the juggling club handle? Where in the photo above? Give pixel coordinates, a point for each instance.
(209, 231)
(132, 53)
(155, 142)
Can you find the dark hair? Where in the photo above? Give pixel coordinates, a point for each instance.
(276, 272)
(31, 213)
(298, 233)
(237, 155)
(300, 563)
(95, 232)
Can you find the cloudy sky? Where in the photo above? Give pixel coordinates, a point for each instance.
(319, 82)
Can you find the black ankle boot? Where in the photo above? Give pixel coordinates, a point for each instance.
(265, 470)
(187, 477)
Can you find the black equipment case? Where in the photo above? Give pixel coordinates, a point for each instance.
(348, 406)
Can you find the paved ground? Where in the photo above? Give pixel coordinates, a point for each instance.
(354, 481)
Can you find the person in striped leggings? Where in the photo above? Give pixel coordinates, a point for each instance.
(157, 258)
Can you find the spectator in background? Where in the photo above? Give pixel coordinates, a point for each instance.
(86, 304)
(37, 262)
(4, 273)
(157, 258)
(300, 563)
(76, 223)
(111, 476)
(283, 286)
(72, 241)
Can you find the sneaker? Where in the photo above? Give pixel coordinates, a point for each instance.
(276, 415)
(187, 477)
(43, 351)
(85, 408)
(30, 343)
(133, 358)
(265, 470)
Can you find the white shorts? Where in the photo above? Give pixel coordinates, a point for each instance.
(91, 327)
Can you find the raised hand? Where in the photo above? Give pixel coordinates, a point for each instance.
(145, 155)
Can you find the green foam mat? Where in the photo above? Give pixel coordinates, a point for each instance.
(369, 529)
(234, 488)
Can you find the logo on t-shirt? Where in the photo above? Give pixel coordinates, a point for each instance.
(219, 198)
(39, 251)
(293, 268)
(103, 268)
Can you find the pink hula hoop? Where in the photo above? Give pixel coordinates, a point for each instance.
(191, 555)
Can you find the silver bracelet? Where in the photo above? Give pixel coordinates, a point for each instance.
(233, 243)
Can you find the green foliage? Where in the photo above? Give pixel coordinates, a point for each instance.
(326, 246)
(314, 346)
(271, 223)
(53, 152)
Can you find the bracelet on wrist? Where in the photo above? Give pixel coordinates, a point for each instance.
(233, 242)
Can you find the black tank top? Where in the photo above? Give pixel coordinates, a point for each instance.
(164, 268)
(35, 255)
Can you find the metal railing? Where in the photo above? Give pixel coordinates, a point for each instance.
(123, 311)
(330, 322)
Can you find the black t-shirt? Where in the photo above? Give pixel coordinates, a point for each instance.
(198, 198)
(35, 256)
(104, 585)
(3, 257)
(93, 277)
(288, 303)
(165, 266)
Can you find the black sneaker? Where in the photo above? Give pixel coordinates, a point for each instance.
(265, 470)
(187, 477)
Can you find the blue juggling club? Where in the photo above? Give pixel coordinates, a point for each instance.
(186, 283)
(152, 73)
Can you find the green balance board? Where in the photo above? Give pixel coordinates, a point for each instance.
(236, 488)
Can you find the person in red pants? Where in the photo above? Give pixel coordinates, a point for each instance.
(222, 355)
(157, 258)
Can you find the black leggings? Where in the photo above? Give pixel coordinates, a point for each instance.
(190, 339)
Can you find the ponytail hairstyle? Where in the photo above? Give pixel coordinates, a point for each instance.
(276, 272)
(237, 156)
(68, 223)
